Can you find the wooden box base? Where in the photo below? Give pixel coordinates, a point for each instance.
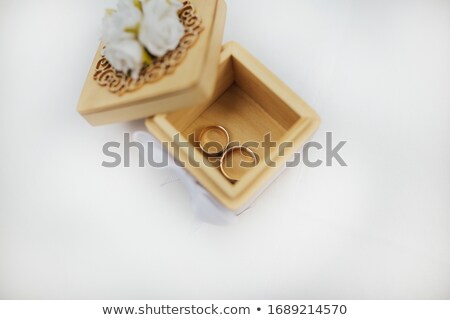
(250, 102)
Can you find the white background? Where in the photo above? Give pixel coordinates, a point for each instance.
(377, 72)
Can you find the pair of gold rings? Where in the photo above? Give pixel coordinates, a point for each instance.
(214, 141)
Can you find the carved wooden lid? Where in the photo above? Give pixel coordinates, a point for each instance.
(184, 78)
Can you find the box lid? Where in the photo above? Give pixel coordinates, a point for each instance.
(185, 79)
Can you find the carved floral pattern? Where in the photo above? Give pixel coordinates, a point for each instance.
(120, 83)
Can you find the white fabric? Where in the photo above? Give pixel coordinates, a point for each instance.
(206, 208)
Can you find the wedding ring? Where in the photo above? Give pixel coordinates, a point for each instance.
(214, 140)
(233, 177)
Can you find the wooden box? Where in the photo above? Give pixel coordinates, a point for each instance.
(250, 102)
(213, 85)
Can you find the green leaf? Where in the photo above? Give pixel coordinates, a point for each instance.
(132, 30)
(146, 57)
(110, 12)
(138, 4)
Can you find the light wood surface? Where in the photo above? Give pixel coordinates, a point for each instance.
(189, 86)
(250, 102)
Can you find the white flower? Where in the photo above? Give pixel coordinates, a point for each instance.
(176, 4)
(161, 29)
(153, 24)
(115, 25)
(125, 55)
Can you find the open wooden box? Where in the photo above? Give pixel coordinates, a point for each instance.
(250, 102)
(213, 86)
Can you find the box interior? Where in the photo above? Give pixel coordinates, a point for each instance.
(250, 102)
(244, 106)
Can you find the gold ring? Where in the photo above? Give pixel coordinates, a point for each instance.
(231, 150)
(203, 143)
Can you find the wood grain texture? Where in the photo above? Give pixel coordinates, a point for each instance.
(189, 86)
(250, 102)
